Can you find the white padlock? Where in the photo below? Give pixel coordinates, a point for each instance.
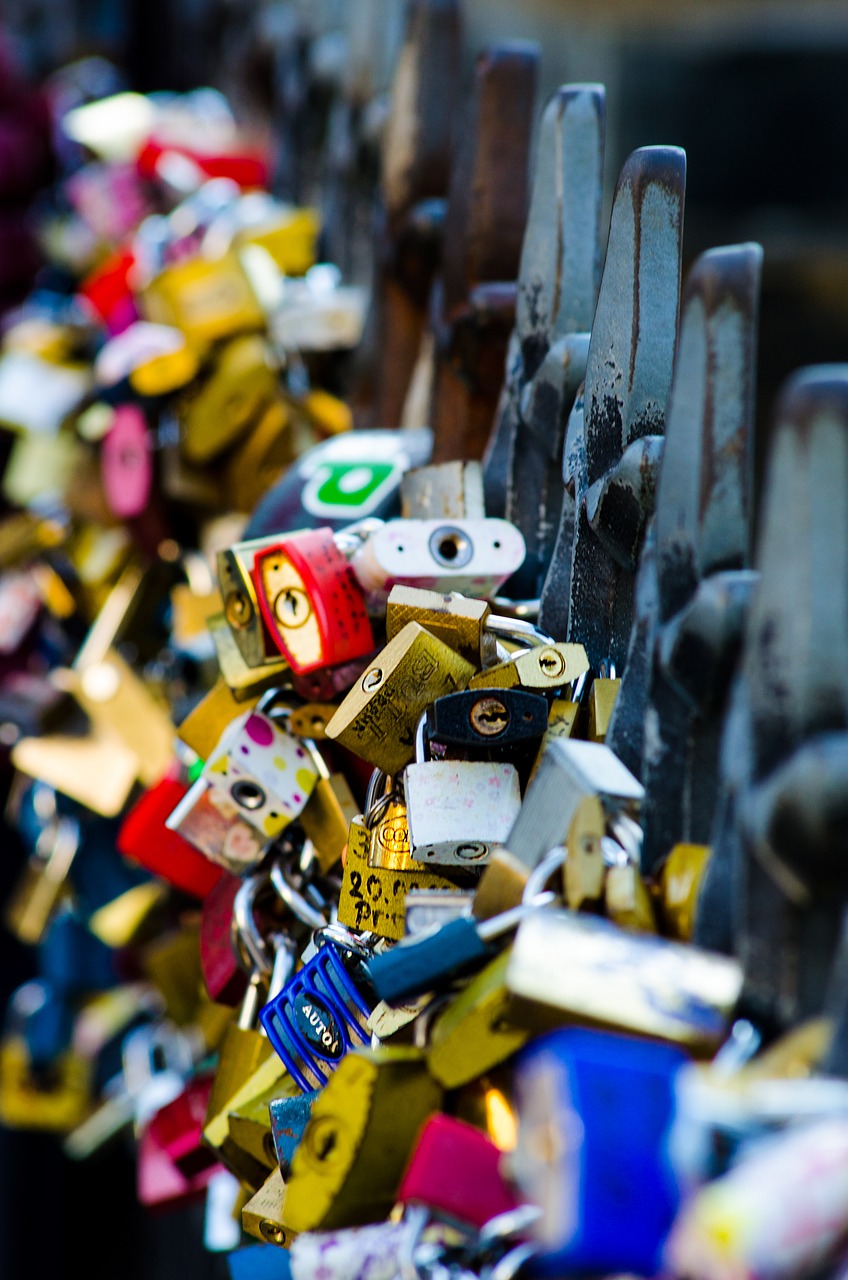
(474, 557)
(458, 810)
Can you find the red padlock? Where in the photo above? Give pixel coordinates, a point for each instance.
(159, 1182)
(144, 838)
(454, 1172)
(177, 1128)
(224, 977)
(311, 601)
(108, 291)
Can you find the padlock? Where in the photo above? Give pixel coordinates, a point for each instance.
(458, 809)
(474, 1032)
(44, 1017)
(432, 961)
(371, 899)
(602, 695)
(261, 457)
(454, 1173)
(255, 782)
(474, 557)
(208, 300)
(627, 901)
(385, 817)
(244, 681)
(594, 1110)
(563, 722)
(238, 587)
(322, 1012)
(377, 719)
(543, 666)
(443, 491)
(177, 1127)
(329, 811)
(311, 603)
(249, 1122)
(623, 980)
(55, 1099)
(156, 1060)
(160, 1183)
(247, 1062)
(126, 463)
(679, 878)
(264, 1214)
(146, 840)
(154, 358)
(201, 729)
(366, 1118)
(289, 1117)
(458, 620)
(43, 883)
(218, 412)
(569, 770)
(493, 719)
(429, 908)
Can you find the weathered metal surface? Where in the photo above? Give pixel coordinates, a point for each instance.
(557, 293)
(484, 227)
(628, 374)
(414, 176)
(701, 539)
(785, 769)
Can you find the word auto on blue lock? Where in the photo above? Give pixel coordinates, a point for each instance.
(323, 1011)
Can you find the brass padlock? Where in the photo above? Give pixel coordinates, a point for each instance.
(544, 666)
(208, 299)
(473, 1033)
(627, 901)
(360, 1134)
(249, 1139)
(202, 728)
(235, 567)
(329, 810)
(373, 899)
(679, 883)
(57, 1102)
(264, 1214)
(260, 458)
(240, 386)
(602, 696)
(458, 620)
(377, 719)
(584, 872)
(244, 681)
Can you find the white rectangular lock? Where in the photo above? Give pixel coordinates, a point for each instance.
(474, 557)
(458, 810)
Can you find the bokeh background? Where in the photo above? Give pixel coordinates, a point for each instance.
(754, 92)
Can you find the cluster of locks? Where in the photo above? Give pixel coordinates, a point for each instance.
(436, 856)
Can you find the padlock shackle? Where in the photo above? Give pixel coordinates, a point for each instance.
(294, 899)
(516, 629)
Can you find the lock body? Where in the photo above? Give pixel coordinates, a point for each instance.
(377, 718)
(458, 809)
(372, 898)
(318, 1017)
(474, 557)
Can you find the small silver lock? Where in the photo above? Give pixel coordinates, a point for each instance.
(458, 810)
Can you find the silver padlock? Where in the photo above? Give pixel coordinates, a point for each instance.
(457, 810)
(569, 771)
(474, 556)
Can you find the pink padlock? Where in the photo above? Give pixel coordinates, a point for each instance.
(126, 463)
(454, 1172)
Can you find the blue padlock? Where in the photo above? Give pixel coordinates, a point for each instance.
(594, 1113)
(45, 1018)
(289, 1118)
(73, 959)
(320, 1014)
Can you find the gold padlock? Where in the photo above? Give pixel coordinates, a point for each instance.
(208, 299)
(563, 722)
(602, 696)
(259, 459)
(58, 1103)
(372, 898)
(347, 1167)
(548, 666)
(584, 872)
(264, 1214)
(202, 728)
(243, 680)
(627, 901)
(226, 406)
(458, 620)
(474, 1033)
(679, 883)
(329, 811)
(377, 718)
